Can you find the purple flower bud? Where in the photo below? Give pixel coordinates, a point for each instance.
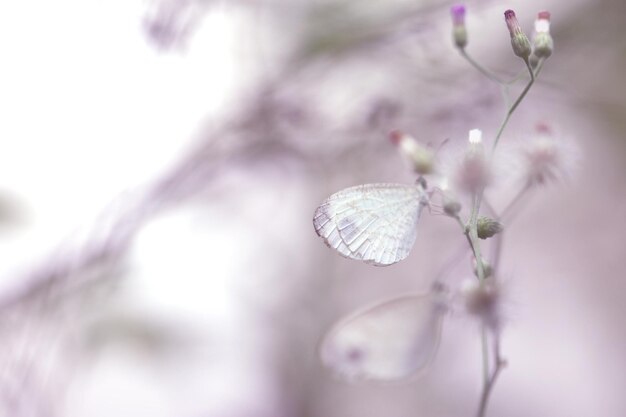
(519, 40)
(458, 15)
(459, 32)
(512, 23)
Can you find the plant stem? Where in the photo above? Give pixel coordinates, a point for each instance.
(491, 379)
(484, 71)
(511, 109)
(507, 216)
(485, 354)
(471, 231)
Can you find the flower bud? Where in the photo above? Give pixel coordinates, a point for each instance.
(519, 40)
(487, 227)
(542, 42)
(459, 31)
(487, 269)
(451, 206)
(421, 158)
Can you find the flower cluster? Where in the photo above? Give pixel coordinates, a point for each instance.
(376, 223)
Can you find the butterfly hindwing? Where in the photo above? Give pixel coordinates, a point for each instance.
(375, 223)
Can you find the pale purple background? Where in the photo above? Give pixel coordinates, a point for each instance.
(217, 305)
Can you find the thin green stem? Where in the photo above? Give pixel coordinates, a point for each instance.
(491, 379)
(539, 67)
(471, 230)
(484, 71)
(509, 210)
(511, 109)
(472, 234)
(518, 77)
(485, 354)
(507, 215)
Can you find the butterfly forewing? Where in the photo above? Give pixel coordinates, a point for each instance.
(375, 223)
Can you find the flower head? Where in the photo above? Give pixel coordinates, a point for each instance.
(519, 40)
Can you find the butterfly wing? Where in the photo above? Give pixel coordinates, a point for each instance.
(388, 341)
(375, 223)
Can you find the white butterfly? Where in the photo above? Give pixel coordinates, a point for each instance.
(374, 223)
(392, 340)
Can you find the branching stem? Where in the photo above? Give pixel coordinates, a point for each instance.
(471, 231)
(491, 379)
(484, 71)
(516, 103)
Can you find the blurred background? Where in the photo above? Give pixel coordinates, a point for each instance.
(161, 161)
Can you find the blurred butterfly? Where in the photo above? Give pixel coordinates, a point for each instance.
(374, 223)
(388, 341)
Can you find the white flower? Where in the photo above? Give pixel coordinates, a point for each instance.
(546, 158)
(472, 172)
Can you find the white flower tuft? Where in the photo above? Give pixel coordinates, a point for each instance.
(546, 158)
(472, 172)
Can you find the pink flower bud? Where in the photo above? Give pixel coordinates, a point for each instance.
(421, 158)
(483, 300)
(542, 42)
(519, 40)
(544, 15)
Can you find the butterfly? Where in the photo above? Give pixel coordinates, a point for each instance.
(391, 340)
(374, 223)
